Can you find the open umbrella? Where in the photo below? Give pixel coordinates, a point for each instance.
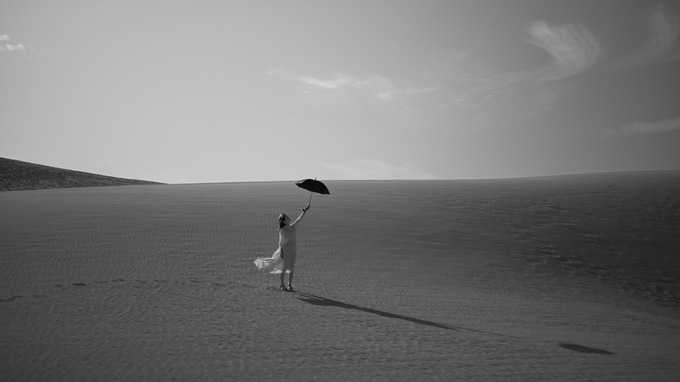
(313, 185)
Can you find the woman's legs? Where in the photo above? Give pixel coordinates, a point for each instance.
(290, 277)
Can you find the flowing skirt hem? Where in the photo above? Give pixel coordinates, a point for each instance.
(274, 264)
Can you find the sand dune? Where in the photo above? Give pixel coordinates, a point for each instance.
(559, 278)
(17, 175)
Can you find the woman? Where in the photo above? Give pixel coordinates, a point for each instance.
(283, 260)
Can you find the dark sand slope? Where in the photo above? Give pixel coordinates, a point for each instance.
(17, 175)
(560, 278)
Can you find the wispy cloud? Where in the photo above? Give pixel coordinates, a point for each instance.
(405, 92)
(453, 88)
(464, 92)
(646, 128)
(662, 45)
(573, 48)
(14, 47)
(459, 91)
(452, 78)
(375, 169)
(333, 83)
(6, 46)
(339, 88)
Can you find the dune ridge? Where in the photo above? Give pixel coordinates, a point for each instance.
(557, 278)
(17, 175)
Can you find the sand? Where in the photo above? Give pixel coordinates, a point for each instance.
(18, 175)
(559, 278)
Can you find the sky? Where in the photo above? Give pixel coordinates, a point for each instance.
(227, 91)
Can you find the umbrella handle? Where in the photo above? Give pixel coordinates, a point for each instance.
(310, 196)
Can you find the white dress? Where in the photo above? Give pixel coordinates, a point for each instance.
(288, 244)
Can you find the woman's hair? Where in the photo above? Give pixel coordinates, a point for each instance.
(282, 220)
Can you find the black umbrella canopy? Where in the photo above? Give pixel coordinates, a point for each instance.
(313, 185)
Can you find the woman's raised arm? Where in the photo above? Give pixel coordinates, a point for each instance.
(304, 210)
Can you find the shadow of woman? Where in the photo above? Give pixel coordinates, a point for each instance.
(585, 349)
(323, 301)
